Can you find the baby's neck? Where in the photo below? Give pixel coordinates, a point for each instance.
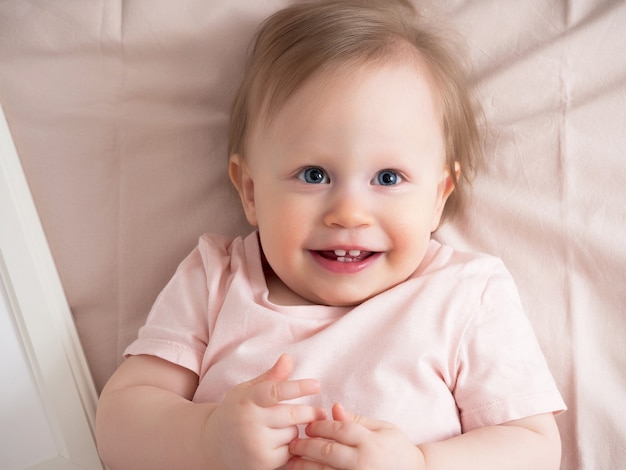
(280, 294)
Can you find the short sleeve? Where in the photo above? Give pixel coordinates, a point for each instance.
(176, 329)
(502, 373)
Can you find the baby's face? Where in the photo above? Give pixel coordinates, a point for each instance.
(347, 183)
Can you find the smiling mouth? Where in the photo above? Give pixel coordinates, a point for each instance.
(346, 256)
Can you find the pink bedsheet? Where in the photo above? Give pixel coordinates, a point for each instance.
(119, 111)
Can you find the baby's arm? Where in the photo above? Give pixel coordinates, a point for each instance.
(145, 418)
(532, 442)
(355, 442)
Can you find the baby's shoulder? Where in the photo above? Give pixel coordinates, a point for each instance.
(215, 244)
(445, 260)
(227, 255)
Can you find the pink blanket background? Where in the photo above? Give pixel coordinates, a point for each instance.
(119, 112)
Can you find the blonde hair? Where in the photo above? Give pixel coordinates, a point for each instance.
(306, 38)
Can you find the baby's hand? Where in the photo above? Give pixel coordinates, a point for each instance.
(354, 442)
(252, 429)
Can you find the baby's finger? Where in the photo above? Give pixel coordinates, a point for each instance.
(280, 438)
(285, 415)
(341, 414)
(270, 393)
(280, 371)
(344, 432)
(328, 453)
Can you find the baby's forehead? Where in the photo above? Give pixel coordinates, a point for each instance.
(323, 82)
(376, 106)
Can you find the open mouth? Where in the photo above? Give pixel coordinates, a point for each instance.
(346, 256)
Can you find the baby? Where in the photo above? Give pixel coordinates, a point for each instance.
(339, 334)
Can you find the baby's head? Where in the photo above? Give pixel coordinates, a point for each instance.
(347, 139)
(309, 38)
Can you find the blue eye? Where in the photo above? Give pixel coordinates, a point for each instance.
(387, 178)
(314, 175)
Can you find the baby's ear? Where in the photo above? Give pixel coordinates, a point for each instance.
(446, 187)
(243, 182)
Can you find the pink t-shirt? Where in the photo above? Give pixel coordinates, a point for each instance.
(447, 351)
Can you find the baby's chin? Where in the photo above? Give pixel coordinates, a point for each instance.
(347, 295)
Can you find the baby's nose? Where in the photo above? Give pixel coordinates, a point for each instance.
(349, 209)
